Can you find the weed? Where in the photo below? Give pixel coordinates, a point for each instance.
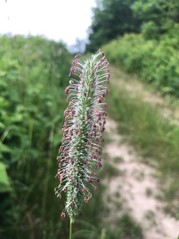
(118, 159)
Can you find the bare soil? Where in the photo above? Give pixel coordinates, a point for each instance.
(137, 189)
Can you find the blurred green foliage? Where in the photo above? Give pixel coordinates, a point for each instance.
(158, 16)
(149, 47)
(33, 74)
(4, 180)
(154, 61)
(114, 18)
(111, 18)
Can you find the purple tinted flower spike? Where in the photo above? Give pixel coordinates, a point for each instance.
(84, 123)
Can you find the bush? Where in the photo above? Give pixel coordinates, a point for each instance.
(154, 61)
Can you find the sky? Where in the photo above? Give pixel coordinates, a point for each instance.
(64, 20)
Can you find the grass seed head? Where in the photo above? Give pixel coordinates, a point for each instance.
(84, 123)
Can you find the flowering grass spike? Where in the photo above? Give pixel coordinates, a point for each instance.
(85, 117)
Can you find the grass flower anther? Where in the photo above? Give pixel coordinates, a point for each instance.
(84, 122)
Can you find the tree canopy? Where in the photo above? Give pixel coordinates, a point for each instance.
(157, 16)
(111, 18)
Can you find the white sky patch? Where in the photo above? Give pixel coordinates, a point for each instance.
(64, 20)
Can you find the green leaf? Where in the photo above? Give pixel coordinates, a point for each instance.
(2, 73)
(4, 148)
(4, 179)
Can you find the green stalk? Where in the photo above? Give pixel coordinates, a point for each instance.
(70, 231)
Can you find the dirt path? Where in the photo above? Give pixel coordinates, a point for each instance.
(137, 187)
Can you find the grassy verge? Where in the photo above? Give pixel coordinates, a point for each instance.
(155, 137)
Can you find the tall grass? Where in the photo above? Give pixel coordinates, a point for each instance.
(33, 74)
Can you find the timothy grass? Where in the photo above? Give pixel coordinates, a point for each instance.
(155, 137)
(33, 75)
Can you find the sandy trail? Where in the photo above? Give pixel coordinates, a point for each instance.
(137, 185)
(138, 188)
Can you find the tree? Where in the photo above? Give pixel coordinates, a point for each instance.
(158, 16)
(111, 18)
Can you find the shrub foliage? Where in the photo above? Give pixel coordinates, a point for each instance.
(155, 61)
(33, 73)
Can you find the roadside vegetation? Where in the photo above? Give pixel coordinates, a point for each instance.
(154, 61)
(140, 36)
(33, 75)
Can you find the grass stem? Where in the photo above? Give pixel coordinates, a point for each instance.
(70, 231)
